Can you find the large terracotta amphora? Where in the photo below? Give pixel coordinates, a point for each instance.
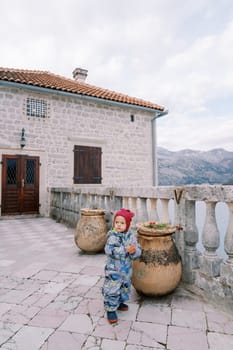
(158, 270)
(91, 230)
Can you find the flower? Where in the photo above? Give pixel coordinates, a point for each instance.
(154, 228)
(157, 225)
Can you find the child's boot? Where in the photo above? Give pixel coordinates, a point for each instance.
(112, 317)
(123, 307)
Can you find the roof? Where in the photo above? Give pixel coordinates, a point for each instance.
(44, 79)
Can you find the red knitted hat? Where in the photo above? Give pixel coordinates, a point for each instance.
(127, 214)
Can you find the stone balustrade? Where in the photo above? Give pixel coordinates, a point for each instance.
(204, 268)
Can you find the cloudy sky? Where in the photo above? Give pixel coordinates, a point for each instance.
(177, 53)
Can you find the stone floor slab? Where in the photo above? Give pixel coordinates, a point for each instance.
(220, 341)
(28, 338)
(219, 322)
(61, 340)
(112, 344)
(188, 318)
(148, 334)
(154, 313)
(180, 338)
(7, 330)
(118, 331)
(78, 323)
(51, 293)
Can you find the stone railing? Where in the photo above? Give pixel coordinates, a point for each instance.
(205, 267)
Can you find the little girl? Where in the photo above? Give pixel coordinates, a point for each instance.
(121, 248)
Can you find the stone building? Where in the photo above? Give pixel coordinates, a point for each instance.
(56, 131)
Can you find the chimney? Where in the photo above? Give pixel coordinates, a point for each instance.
(80, 74)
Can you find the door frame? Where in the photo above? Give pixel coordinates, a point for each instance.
(44, 192)
(22, 196)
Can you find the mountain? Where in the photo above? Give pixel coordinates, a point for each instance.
(188, 167)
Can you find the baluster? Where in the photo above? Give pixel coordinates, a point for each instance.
(142, 213)
(61, 205)
(133, 205)
(125, 202)
(165, 212)
(154, 216)
(100, 201)
(190, 239)
(210, 262)
(227, 267)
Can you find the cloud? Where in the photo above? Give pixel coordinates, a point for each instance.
(174, 53)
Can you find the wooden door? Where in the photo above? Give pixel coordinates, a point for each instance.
(20, 184)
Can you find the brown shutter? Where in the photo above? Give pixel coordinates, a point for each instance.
(87, 165)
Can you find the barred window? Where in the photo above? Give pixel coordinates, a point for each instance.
(37, 108)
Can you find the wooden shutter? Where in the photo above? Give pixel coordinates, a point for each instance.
(87, 165)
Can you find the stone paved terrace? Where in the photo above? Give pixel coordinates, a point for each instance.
(50, 299)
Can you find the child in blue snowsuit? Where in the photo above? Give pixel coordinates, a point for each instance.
(121, 248)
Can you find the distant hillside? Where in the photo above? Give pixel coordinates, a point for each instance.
(188, 167)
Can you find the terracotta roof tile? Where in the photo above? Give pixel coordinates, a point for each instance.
(56, 82)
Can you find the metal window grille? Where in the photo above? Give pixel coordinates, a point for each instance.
(37, 108)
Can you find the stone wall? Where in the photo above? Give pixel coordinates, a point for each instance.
(126, 144)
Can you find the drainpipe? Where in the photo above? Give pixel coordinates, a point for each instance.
(154, 146)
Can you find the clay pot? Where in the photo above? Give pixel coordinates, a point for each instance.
(158, 270)
(91, 231)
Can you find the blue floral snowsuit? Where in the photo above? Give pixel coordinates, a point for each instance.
(118, 269)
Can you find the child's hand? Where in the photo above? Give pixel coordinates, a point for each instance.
(131, 249)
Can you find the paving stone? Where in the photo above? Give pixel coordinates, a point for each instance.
(139, 347)
(39, 299)
(154, 313)
(5, 262)
(61, 340)
(219, 322)
(49, 318)
(92, 271)
(180, 338)
(86, 280)
(30, 270)
(72, 268)
(95, 293)
(64, 277)
(28, 338)
(68, 296)
(66, 302)
(53, 287)
(78, 323)
(93, 343)
(220, 341)
(46, 275)
(20, 314)
(129, 315)
(4, 307)
(7, 330)
(75, 290)
(112, 344)
(15, 295)
(117, 331)
(90, 307)
(148, 334)
(188, 318)
(186, 302)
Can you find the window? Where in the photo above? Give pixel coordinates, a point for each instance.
(87, 165)
(36, 108)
